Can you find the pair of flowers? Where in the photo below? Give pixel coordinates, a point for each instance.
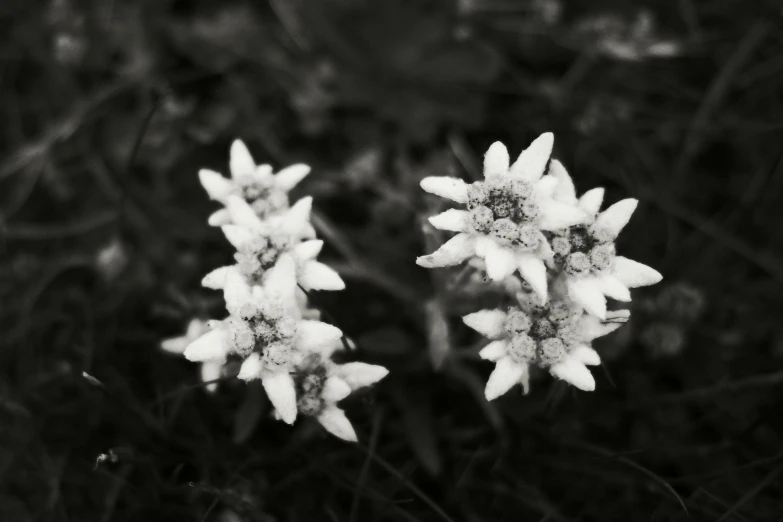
(270, 329)
(525, 218)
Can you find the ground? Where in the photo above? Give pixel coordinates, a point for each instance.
(110, 108)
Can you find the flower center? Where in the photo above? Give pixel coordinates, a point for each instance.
(267, 330)
(542, 335)
(583, 250)
(310, 384)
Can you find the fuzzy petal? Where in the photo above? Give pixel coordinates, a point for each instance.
(533, 271)
(494, 351)
(175, 344)
(453, 220)
(585, 355)
(592, 327)
(236, 291)
(315, 336)
(252, 367)
(335, 389)
(217, 187)
(289, 177)
(240, 161)
(308, 250)
(531, 163)
(452, 252)
(488, 323)
(212, 346)
(216, 279)
(545, 187)
(483, 245)
(634, 274)
(280, 281)
(219, 218)
(242, 214)
(446, 187)
(238, 237)
(591, 201)
(575, 373)
(586, 292)
(359, 374)
(565, 190)
(557, 216)
(614, 218)
(335, 422)
(612, 287)
(297, 219)
(318, 276)
(281, 391)
(211, 371)
(501, 262)
(507, 373)
(496, 160)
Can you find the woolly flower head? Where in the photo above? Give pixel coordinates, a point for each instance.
(266, 331)
(505, 215)
(264, 191)
(585, 253)
(260, 244)
(210, 370)
(555, 337)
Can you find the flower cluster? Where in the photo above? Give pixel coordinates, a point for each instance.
(270, 331)
(525, 218)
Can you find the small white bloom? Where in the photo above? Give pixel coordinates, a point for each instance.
(210, 370)
(555, 337)
(506, 214)
(264, 191)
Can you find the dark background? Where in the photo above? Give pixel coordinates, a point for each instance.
(109, 108)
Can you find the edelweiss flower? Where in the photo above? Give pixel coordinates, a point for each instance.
(556, 337)
(265, 192)
(266, 330)
(210, 370)
(506, 215)
(260, 244)
(586, 253)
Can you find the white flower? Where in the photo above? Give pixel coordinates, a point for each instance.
(267, 331)
(267, 193)
(260, 244)
(556, 338)
(506, 215)
(210, 370)
(586, 253)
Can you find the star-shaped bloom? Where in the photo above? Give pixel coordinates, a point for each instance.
(210, 370)
(506, 214)
(260, 244)
(591, 269)
(264, 191)
(266, 330)
(556, 337)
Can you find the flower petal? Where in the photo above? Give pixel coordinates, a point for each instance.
(533, 271)
(252, 367)
(315, 336)
(239, 237)
(281, 391)
(507, 373)
(634, 274)
(240, 161)
(557, 216)
(307, 250)
(289, 177)
(359, 374)
(280, 280)
(211, 371)
(495, 350)
(242, 214)
(591, 327)
(318, 276)
(488, 323)
(587, 293)
(335, 422)
(217, 187)
(297, 220)
(585, 355)
(531, 163)
(496, 160)
(614, 218)
(335, 389)
(453, 220)
(446, 187)
(575, 373)
(452, 252)
(212, 346)
(565, 190)
(501, 262)
(591, 201)
(219, 218)
(236, 291)
(545, 187)
(216, 279)
(612, 287)
(175, 344)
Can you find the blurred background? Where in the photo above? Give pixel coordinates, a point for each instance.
(108, 108)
